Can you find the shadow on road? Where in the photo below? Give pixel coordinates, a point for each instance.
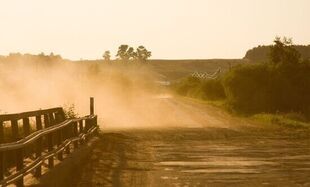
(198, 157)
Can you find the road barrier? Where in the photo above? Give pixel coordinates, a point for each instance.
(32, 140)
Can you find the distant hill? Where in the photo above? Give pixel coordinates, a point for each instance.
(176, 69)
(166, 69)
(261, 53)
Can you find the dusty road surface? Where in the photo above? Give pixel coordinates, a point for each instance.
(209, 149)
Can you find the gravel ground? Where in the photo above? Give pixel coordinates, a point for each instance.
(197, 157)
(217, 150)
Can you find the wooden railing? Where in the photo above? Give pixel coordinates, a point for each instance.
(32, 140)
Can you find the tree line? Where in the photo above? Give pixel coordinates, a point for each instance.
(126, 54)
(262, 53)
(40, 58)
(279, 85)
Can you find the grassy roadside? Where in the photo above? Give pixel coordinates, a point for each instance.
(291, 120)
(281, 119)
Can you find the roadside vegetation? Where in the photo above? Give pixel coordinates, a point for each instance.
(261, 53)
(269, 91)
(199, 88)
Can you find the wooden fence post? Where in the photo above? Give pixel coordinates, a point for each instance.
(14, 126)
(92, 105)
(19, 156)
(26, 126)
(95, 123)
(62, 115)
(59, 141)
(81, 126)
(38, 171)
(68, 135)
(1, 166)
(1, 153)
(87, 127)
(81, 130)
(1, 132)
(51, 119)
(49, 141)
(59, 133)
(39, 122)
(26, 132)
(76, 133)
(20, 165)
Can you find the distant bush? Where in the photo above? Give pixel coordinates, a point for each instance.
(261, 53)
(269, 88)
(279, 86)
(247, 89)
(186, 85)
(211, 89)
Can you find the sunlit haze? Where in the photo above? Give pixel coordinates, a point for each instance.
(171, 29)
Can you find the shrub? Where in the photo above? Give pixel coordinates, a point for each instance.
(247, 88)
(211, 89)
(70, 111)
(269, 88)
(184, 86)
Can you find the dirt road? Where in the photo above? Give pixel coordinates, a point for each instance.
(210, 148)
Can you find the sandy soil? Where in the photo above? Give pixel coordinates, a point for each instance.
(205, 147)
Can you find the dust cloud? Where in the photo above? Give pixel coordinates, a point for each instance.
(126, 95)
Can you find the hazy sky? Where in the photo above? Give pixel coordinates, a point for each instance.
(171, 29)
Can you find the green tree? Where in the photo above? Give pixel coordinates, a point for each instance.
(142, 54)
(107, 56)
(283, 52)
(125, 53)
(280, 86)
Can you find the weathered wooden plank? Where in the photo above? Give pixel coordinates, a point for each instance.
(39, 122)
(66, 132)
(2, 166)
(46, 120)
(58, 117)
(59, 142)
(19, 165)
(1, 153)
(50, 148)
(14, 126)
(33, 137)
(72, 128)
(81, 128)
(1, 132)
(57, 135)
(39, 148)
(87, 127)
(17, 116)
(26, 126)
(75, 133)
(92, 105)
(95, 120)
(49, 140)
(51, 119)
(61, 116)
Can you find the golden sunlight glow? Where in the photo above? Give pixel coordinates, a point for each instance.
(170, 28)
